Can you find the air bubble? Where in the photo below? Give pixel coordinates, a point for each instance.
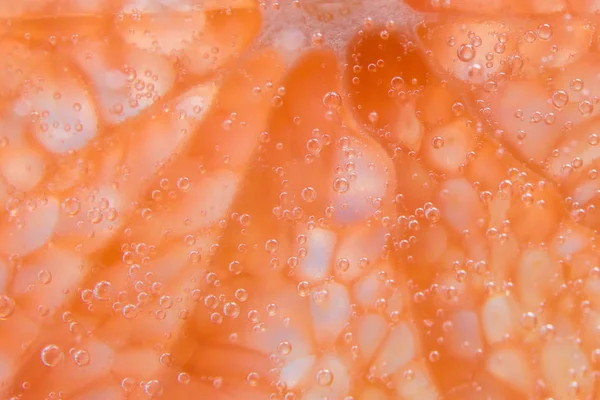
(437, 142)
(576, 84)
(235, 267)
(544, 31)
(130, 311)
(303, 288)
(103, 290)
(373, 117)
(324, 377)
(528, 321)
(595, 357)
(272, 246)
(332, 100)
(309, 194)
(466, 52)
(253, 379)
(184, 184)
(44, 277)
(166, 359)
(397, 83)
(341, 185)
(7, 307)
(585, 107)
(560, 99)
(530, 36)
(71, 206)
(184, 378)
(51, 355)
(343, 264)
(434, 356)
(153, 388)
(284, 348)
(231, 309)
(128, 385)
(241, 294)
(81, 358)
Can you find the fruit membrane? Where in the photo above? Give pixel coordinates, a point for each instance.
(299, 199)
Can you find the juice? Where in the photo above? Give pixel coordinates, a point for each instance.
(299, 199)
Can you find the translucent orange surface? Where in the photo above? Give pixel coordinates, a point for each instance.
(299, 200)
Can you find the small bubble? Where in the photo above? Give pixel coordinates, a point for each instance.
(194, 257)
(595, 357)
(419, 297)
(434, 356)
(253, 379)
(317, 39)
(303, 288)
(437, 142)
(94, 215)
(147, 214)
(184, 184)
(433, 214)
(130, 311)
(71, 206)
(153, 388)
(466, 52)
(44, 277)
(103, 290)
(184, 378)
(211, 301)
(241, 294)
(397, 83)
(309, 194)
(81, 358)
(216, 318)
(320, 296)
(528, 321)
(245, 220)
(547, 332)
(343, 264)
(284, 348)
(458, 109)
(7, 307)
(373, 117)
(332, 100)
(165, 302)
(576, 84)
(585, 107)
(324, 377)
(271, 246)
(560, 99)
(51, 355)
(271, 310)
(544, 31)
(231, 309)
(475, 71)
(128, 385)
(341, 185)
(530, 36)
(189, 240)
(166, 359)
(235, 267)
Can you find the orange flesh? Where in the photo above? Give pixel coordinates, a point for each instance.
(305, 200)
